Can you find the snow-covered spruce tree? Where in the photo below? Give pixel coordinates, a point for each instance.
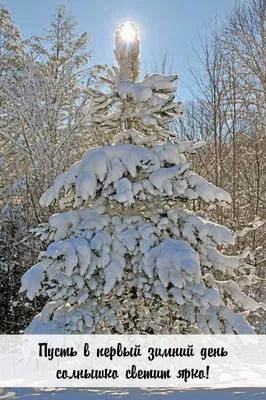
(130, 258)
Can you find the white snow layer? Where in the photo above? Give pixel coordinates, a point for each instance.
(128, 173)
(101, 271)
(93, 255)
(150, 102)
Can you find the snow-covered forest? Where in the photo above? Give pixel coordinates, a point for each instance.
(138, 213)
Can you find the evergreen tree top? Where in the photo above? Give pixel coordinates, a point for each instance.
(147, 105)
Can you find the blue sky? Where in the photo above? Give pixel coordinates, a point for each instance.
(172, 23)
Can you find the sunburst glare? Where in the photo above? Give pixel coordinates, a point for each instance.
(128, 32)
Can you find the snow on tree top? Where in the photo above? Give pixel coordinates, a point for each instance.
(127, 174)
(127, 54)
(151, 103)
(148, 105)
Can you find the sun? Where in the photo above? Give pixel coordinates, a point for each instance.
(128, 32)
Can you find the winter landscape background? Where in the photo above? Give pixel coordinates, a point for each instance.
(125, 208)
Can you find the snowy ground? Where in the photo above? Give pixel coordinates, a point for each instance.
(133, 394)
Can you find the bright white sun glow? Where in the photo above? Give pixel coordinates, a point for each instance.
(128, 32)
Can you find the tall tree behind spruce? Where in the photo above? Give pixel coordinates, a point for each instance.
(46, 98)
(11, 46)
(11, 219)
(10, 41)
